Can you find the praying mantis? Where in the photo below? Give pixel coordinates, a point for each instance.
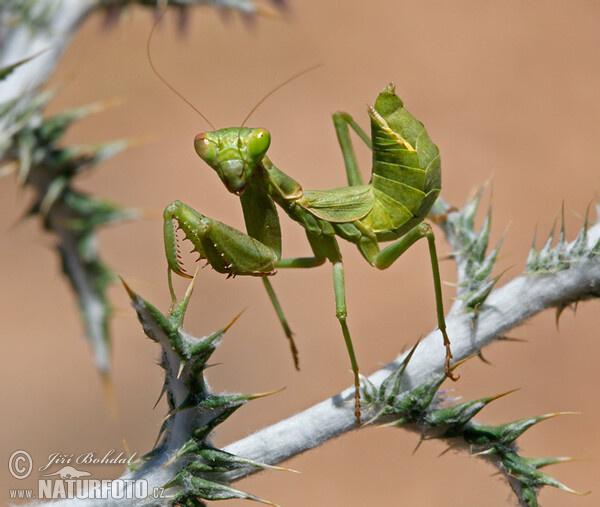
(405, 182)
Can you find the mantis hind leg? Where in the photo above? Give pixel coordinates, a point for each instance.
(388, 256)
(341, 122)
(341, 313)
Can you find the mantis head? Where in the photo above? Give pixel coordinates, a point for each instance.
(233, 153)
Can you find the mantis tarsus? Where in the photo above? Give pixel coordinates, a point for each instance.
(405, 182)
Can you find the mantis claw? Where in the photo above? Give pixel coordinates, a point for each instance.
(172, 248)
(181, 269)
(448, 370)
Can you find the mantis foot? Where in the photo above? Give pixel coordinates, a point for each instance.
(294, 350)
(357, 403)
(447, 367)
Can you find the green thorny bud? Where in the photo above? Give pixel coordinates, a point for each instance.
(36, 15)
(183, 443)
(470, 250)
(550, 260)
(32, 14)
(429, 412)
(32, 147)
(249, 8)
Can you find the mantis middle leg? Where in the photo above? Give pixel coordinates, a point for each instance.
(326, 247)
(298, 262)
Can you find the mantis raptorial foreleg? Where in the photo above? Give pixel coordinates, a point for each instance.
(228, 250)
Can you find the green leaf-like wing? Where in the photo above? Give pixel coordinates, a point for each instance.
(344, 204)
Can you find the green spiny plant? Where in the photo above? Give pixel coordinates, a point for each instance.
(550, 260)
(434, 416)
(406, 392)
(477, 264)
(194, 470)
(40, 162)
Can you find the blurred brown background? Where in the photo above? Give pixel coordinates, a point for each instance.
(508, 90)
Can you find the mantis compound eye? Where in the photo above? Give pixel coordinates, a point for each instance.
(204, 147)
(258, 144)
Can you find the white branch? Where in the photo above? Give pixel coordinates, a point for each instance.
(505, 308)
(20, 42)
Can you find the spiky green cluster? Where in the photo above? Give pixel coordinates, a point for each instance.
(32, 143)
(475, 265)
(36, 14)
(33, 14)
(425, 409)
(249, 8)
(194, 411)
(551, 259)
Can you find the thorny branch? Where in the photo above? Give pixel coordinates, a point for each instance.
(505, 308)
(471, 328)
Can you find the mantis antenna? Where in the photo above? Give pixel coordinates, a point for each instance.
(280, 85)
(172, 88)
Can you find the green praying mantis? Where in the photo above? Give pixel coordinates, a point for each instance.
(405, 182)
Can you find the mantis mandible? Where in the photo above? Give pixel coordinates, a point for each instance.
(405, 182)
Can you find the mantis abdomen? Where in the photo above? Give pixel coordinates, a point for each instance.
(406, 174)
(405, 182)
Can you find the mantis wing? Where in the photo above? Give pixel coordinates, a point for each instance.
(344, 204)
